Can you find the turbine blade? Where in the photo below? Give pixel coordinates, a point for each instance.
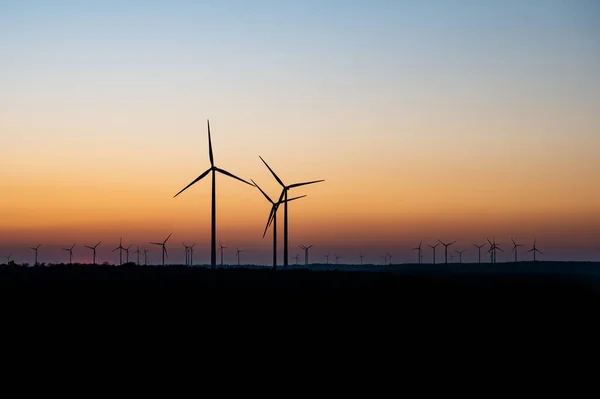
(232, 175)
(197, 179)
(310, 246)
(155, 243)
(164, 242)
(265, 194)
(97, 244)
(271, 217)
(305, 183)
(274, 175)
(295, 198)
(210, 152)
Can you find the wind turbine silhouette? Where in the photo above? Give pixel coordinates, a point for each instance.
(145, 257)
(479, 249)
(493, 248)
(127, 253)
(296, 257)
(305, 248)
(120, 248)
(70, 253)
(94, 251)
(384, 260)
(534, 250)
(390, 256)
(192, 254)
(137, 251)
(221, 249)
(283, 196)
(273, 218)
(515, 248)
(326, 258)
(460, 255)
(238, 255)
(361, 258)
(36, 253)
(337, 258)
(164, 248)
(420, 252)
(446, 249)
(8, 259)
(214, 170)
(433, 247)
(187, 251)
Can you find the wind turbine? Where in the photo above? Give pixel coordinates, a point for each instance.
(187, 251)
(221, 249)
(433, 247)
(283, 196)
(384, 260)
(534, 249)
(479, 249)
(164, 248)
(120, 248)
(145, 257)
(305, 248)
(361, 258)
(127, 253)
(446, 249)
(238, 255)
(460, 255)
(192, 254)
(70, 253)
(8, 259)
(420, 253)
(337, 258)
(326, 258)
(213, 169)
(390, 256)
(94, 250)
(138, 255)
(36, 253)
(273, 218)
(515, 248)
(493, 248)
(296, 257)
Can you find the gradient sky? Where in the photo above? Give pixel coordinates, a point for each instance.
(457, 120)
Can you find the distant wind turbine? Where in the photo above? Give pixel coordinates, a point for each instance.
(390, 256)
(296, 258)
(460, 255)
(326, 258)
(337, 258)
(70, 253)
(137, 251)
(8, 259)
(284, 196)
(145, 257)
(384, 259)
(534, 250)
(94, 251)
(127, 253)
(305, 248)
(120, 248)
(479, 250)
(36, 253)
(433, 247)
(164, 248)
(446, 249)
(221, 249)
(192, 254)
(361, 258)
(213, 169)
(238, 255)
(493, 248)
(515, 248)
(420, 252)
(187, 252)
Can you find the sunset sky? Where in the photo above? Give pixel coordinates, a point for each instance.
(458, 120)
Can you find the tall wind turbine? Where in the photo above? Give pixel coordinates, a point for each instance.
(120, 248)
(433, 247)
(515, 248)
(145, 257)
(94, 250)
(213, 169)
(70, 253)
(420, 252)
(305, 248)
(493, 248)
(127, 253)
(283, 196)
(238, 255)
(297, 259)
(326, 257)
(164, 248)
(337, 258)
(534, 250)
(384, 259)
(273, 218)
(36, 253)
(460, 254)
(446, 249)
(8, 259)
(390, 256)
(479, 250)
(361, 258)
(221, 249)
(192, 254)
(187, 252)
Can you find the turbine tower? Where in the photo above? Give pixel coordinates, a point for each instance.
(120, 248)
(297, 259)
(213, 169)
(493, 248)
(137, 251)
(164, 248)
(390, 256)
(479, 250)
(36, 253)
(534, 250)
(8, 259)
(238, 255)
(361, 258)
(283, 196)
(420, 252)
(192, 254)
(446, 249)
(305, 248)
(433, 247)
(70, 253)
(127, 253)
(187, 251)
(515, 248)
(460, 255)
(337, 258)
(221, 249)
(273, 218)
(94, 252)
(326, 258)
(145, 257)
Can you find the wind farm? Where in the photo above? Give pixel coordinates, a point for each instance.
(372, 136)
